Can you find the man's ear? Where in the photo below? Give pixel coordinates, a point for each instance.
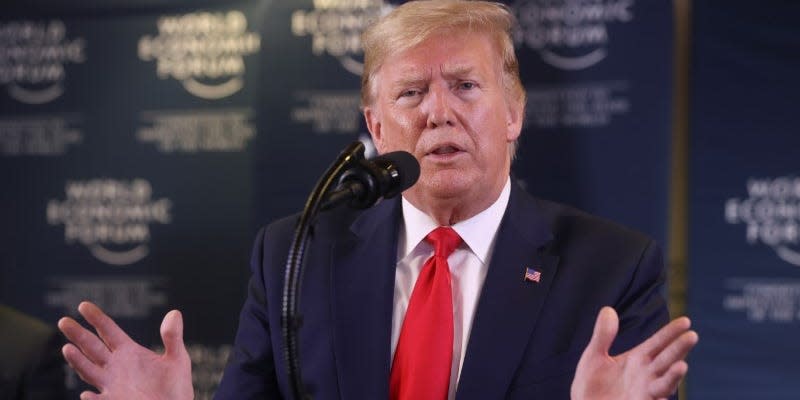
(514, 119)
(374, 126)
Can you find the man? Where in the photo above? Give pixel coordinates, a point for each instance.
(466, 288)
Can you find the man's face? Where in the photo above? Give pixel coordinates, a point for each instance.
(444, 102)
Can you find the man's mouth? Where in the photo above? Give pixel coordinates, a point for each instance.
(444, 150)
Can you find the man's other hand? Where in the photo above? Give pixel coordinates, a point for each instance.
(122, 369)
(651, 370)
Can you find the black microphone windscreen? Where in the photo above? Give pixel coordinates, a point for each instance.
(405, 166)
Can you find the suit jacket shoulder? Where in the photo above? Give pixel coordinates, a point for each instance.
(569, 223)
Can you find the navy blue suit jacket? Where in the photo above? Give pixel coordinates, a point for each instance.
(526, 337)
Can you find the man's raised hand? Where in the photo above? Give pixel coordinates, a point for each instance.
(122, 369)
(651, 370)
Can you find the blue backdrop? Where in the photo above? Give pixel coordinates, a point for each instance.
(142, 142)
(744, 270)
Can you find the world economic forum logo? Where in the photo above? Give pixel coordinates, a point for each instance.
(111, 217)
(335, 28)
(33, 56)
(205, 51)
(771, 215)
(569, 34)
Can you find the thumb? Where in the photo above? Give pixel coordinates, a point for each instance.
(605, 330)
(172, 333)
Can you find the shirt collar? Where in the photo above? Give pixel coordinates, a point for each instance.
(477, 232)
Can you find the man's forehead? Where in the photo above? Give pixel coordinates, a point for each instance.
(453, 53)
(449, 61)
(420, 70)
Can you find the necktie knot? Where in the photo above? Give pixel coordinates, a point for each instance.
(444, 240)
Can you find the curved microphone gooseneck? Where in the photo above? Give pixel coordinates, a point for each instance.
(290, 320)
(361, 183)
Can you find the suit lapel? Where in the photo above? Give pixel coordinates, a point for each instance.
(509, 305)
(362, 277)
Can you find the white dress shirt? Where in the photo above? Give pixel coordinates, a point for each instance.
(469, 264)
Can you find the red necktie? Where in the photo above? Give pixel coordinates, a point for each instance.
(424, 353)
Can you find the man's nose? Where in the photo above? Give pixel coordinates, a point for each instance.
(438, 107)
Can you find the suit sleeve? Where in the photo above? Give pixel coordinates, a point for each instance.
(250, 373)
(642, 308)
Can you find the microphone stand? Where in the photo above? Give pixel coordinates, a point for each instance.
(290, 319)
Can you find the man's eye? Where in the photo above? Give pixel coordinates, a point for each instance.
(409, 93)
(467, 85)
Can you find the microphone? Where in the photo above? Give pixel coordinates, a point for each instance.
(367, 181)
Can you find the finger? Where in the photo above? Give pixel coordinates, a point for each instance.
(674, 352)
(109, 331)
(90, 372)
(605, 330)
(667, 384)
(172, 334)
(87, 342)
(666, 335)
(87, 395)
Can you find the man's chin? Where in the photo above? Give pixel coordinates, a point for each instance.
(444, 186)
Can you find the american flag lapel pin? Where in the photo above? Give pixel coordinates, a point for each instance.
(532, 275)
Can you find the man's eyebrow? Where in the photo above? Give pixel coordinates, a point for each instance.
(409, 78)
(415, 77)
(457, 70)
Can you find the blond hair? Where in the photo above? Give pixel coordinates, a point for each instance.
(414, 22)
